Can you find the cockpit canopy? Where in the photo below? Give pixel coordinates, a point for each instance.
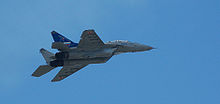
(120, 42)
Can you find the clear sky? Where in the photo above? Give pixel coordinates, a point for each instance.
(183, 70)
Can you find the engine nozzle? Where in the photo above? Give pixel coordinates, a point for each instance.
(61, 55)
(57, 63)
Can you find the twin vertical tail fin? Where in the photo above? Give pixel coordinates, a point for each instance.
(60, 38)
(48, 56)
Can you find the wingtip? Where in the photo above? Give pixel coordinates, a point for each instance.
(54, 81)
(35, 75)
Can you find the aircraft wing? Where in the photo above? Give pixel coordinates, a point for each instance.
(67, 71)
(90, 41)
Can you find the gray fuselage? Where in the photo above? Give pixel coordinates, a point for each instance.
(101, 55)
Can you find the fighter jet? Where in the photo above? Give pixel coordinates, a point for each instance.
(90, 50)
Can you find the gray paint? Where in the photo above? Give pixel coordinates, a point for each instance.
(91, 50)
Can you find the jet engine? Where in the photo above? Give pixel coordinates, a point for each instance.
(57, 63)
(61, 55)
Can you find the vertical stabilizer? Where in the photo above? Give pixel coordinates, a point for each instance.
(48, 56)
(60, 38)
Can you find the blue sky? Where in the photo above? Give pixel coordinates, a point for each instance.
(183, 70)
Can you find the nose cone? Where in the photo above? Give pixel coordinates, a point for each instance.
(135, 47)
(150, 48)
(147, 48)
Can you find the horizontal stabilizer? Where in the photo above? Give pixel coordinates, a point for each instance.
(67, 71)
(41, 70)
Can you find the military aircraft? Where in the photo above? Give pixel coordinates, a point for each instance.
(90, 50)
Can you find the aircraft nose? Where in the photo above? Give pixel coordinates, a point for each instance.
(146, 48)
(150, 48)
